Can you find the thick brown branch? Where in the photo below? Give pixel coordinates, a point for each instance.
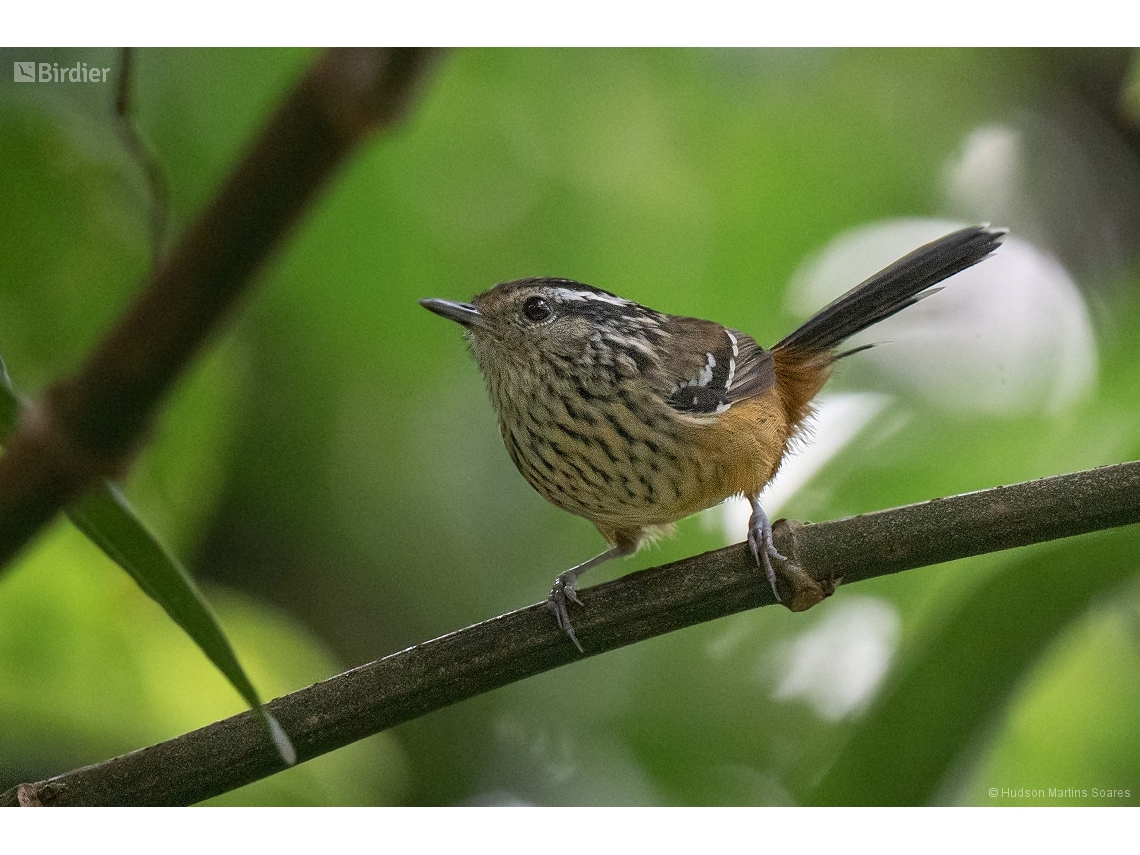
(85, 427)
(416, 681)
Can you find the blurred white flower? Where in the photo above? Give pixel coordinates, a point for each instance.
(838, 664)
(560, 760)
(987, 175)
(549, 756)
(1062, 178)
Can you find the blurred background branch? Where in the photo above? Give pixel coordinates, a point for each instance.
(514, 646)
(141, 150)
(87, 426)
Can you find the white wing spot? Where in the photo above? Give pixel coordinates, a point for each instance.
(707, 371)
(735, 346)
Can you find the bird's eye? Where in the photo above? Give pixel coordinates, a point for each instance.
(537, 309)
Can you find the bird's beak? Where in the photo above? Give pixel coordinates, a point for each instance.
(461, 313)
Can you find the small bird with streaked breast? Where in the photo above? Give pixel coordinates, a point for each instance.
(635, 419)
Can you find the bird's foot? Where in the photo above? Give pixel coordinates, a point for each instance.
(763, 549)
(801, 588)
(566, 585)
(565, 590)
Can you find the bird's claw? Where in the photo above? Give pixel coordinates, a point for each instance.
(762, 548)
(565, 589)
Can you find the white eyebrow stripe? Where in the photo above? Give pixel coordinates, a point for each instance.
(567, 294)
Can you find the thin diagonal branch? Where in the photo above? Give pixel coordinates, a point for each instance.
(85, 427)
(158, 191)
(358, 703)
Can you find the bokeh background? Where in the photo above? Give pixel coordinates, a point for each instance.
(331, 471)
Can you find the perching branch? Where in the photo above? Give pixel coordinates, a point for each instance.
(366, 700)
(85, 427)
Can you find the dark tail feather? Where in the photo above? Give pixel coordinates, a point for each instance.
(893, 289)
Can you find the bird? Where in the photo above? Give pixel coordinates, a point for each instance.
(634, 419)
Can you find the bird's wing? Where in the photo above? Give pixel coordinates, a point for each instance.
(708, 367)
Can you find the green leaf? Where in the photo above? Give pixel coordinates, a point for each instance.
(105, 516)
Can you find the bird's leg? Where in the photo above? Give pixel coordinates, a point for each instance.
(566, 588)
(760, 542)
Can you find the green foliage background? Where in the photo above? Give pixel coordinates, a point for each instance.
(332, 473)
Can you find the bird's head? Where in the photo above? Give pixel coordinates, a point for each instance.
(531, 328)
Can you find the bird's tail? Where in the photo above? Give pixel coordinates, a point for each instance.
(804, 357)
(894, 288)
